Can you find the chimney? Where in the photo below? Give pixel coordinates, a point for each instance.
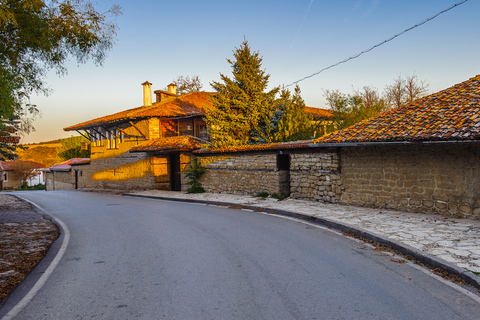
(147, 94)
(172, 88)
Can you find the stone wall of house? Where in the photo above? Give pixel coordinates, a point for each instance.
(312, 176)
(243, 174)
(315, 176)
(125, 171)
(128, 171)
(441, 179)
(185, 163)
(60, 180)
(12, 182)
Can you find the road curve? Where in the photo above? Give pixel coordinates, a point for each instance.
(132, 258)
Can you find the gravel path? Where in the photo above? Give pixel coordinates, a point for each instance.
(25, 237)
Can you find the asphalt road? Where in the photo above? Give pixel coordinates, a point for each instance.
(130, 258)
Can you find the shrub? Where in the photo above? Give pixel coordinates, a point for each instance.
(194, 174)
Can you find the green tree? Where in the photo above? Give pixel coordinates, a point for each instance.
(37, 36)
(242, 107)
(349, 109)
(295, 123)
(72, 148)
(193, 175)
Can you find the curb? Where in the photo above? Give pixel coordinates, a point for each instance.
(21, 295)
(407, 250)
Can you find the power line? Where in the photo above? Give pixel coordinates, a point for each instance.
(379, 44)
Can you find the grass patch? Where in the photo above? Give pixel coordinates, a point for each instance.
(32, 188)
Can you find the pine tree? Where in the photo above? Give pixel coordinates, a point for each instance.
(295, 123)
(241, 106)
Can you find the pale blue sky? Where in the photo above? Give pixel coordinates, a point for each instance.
(160, 40)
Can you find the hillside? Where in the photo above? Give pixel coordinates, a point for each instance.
(43, 152)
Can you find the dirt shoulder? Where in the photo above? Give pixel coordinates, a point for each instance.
(25, 237)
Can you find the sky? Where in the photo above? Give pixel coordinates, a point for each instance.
(157, 41)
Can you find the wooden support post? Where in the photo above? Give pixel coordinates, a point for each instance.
(123, 131)
(99, 133)
(88, 137)
(138, 130)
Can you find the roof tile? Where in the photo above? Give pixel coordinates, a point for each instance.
(177, 143)
(189, 104)
(451, 114)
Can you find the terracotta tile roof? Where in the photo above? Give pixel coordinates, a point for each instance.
(177, 143)
(448, 115)
(259, 147)
(319, 113)
(8, 166)
(66, 165)
(189, 104)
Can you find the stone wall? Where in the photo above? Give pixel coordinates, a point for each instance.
(185, 163)
(312, 176)
(60, 180)
(125, 171)
(315, 176)
(134, 171)
(442, 179)
(243, 174)
(13, 181)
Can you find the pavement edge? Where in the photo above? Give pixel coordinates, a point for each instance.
(22, 294)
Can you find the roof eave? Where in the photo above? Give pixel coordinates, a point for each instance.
(384, 143)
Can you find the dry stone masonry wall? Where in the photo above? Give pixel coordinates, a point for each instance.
(315, 176)
(243, 174)
(442, 179)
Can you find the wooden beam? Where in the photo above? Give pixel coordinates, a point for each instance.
(111, 133)
(123, 131)
(88, 137)
(98, 132)
(194, 128)
(138, 130)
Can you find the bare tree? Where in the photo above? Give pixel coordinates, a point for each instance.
(415, 88)
(24, 170)
(187, 84)
(403, 91)
(371, 100)
(395, 92)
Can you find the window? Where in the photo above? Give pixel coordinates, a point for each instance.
(185, 127)
(96, 138)
(112, 141)
(202, 132)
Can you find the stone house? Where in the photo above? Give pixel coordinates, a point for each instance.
(10, 180)
(146, 147)
(322, 119)
(65, 175)
(160, 134)
(421, 157)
